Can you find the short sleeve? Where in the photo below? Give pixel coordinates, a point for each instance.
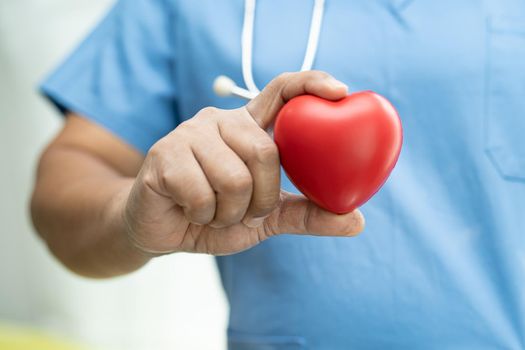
(121, 76)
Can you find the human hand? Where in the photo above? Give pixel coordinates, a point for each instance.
(213, 184)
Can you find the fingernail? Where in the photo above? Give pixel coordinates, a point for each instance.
(254, 222)
(339, 85)
(216, 225)
(360, 223)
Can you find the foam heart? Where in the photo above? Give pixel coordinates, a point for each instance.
(338, 153)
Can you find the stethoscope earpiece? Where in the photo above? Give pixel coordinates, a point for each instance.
(224, 86)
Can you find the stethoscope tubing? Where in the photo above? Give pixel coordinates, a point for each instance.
(225, 86)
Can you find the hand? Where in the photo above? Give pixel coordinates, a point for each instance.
(213, 184)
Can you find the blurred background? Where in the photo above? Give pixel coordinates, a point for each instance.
(175, 302)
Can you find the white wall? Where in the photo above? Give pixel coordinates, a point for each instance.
(176, 302)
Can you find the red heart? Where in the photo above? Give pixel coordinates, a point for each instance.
(338, 153)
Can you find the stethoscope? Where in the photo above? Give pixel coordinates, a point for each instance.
(225, 86)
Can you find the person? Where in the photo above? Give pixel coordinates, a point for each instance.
(151, 162)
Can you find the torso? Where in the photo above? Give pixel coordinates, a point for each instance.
(441, 263)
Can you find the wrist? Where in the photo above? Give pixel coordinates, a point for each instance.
(129, 249)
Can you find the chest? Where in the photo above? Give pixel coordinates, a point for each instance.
(455, 70)
(377, 44)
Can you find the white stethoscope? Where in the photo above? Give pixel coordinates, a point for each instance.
(225, 86)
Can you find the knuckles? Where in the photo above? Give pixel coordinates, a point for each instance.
(285, 77)
(236, 183)
(206, 114)
(200, 201)
(265, 151)
(209, 110)
(153, 173)
(317, 74)
(195, 125)
(157, 150)
(279, 81)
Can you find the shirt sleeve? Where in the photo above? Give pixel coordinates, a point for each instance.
(121, 76)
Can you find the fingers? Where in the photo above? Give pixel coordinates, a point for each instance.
(259, 152)
(182, 178)
(267, 104)
(231, 170)
(228, 176)
(238, 165)
(298, 215)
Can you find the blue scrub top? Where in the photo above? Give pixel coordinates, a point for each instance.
(441, 264)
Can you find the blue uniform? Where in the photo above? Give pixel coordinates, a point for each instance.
(441, 264)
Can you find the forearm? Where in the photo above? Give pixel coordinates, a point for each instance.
(77, 207)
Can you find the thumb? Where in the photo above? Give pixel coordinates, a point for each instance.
(268, 103)
(298, 215)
